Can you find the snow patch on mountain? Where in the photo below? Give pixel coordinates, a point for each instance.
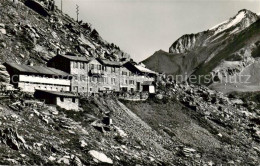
(235, 31)
(221, 35)
(232, 22)
(218, 25)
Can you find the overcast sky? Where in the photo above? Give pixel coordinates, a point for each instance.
(141, 27)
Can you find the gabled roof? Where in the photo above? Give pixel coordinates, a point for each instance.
(109, 63)
(76, 58)
(56, 93)
(25, 69)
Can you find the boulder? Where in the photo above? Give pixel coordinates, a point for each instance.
(83, 143)
(237, 102)
(159, 96)
(76, 161)
(120, 132)
(100, 157)
(2, 44)
(11, 138)
(64, 160)
(2, 28)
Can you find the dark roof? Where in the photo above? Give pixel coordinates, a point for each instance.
(37, 69)
(147, 83)
(76, 58)
(109, 63)
(56, 93)
(37, 7)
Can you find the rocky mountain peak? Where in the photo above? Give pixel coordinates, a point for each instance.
(243, 19)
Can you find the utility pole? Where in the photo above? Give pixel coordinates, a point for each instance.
(61, 5)
(77, 11)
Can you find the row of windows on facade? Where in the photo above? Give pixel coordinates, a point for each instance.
(102, 79)
(50, 88)
(81, 65)
(76, 88)
(40, 87)
(98, 67)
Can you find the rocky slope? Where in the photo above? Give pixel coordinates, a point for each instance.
(181, 125)
(219, 128)
(226, 49)
(28, 36)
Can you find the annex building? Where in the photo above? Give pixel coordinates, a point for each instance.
(29, 78)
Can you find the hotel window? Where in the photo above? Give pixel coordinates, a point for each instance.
(73, 100)
(82, 78)
(131, 74)
(75, 64)
(113, 81)
(104, 68)
(125, 81)
(124, 73)
(62, 99)
(113, 69)
(131, 82)
(92, 66)
(99, 67)
(81, 65)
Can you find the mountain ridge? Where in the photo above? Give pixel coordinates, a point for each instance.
(199, 50)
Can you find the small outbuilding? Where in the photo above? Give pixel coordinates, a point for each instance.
(148, 87)
(64, 100)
